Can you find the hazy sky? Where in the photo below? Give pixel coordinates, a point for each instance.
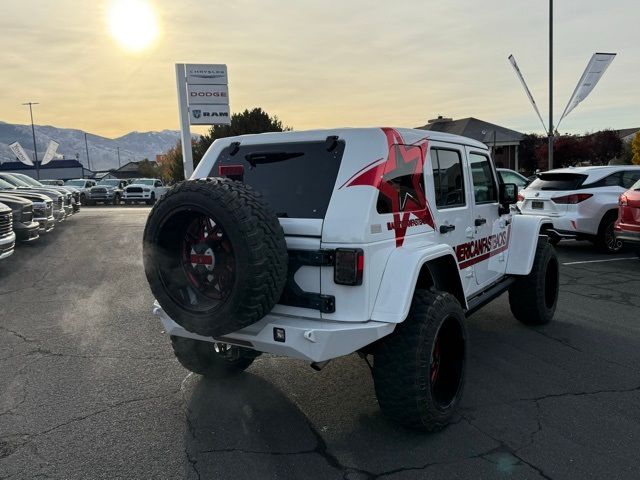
(321, 63)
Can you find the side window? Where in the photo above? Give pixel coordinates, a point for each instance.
(484, 185)
(158, 183)
(447, 178)
(629, 177)
(402, 185)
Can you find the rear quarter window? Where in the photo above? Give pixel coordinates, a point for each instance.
(296, 178)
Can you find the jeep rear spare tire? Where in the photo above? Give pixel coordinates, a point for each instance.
(214, 255)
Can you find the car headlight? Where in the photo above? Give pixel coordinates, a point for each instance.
(146, 190)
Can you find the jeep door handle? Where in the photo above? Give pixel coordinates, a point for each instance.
(480, 221)
(447, 228)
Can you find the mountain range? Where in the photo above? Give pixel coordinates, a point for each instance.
(103, 151)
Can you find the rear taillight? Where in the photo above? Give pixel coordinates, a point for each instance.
(520, 197)
(234, 172)
(572, 199)
(349, 266)
(623, 201)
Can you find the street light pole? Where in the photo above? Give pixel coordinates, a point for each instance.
(86, 145)
(550, 147)
(119, 164)
(33, 132)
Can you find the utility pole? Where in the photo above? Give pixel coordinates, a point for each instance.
(86, 145)
(550, 147)
(119, 164)
(33, 132)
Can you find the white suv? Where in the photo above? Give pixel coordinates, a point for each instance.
(582, 202)
(319, 244)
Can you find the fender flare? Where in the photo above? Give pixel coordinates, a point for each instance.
(401, 276)
(525, 230)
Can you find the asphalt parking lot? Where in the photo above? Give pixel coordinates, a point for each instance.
(90, 387)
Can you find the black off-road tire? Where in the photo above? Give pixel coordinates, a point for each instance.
(202, 357)
(404, 361)
(533, 298)
(260, 255)
(605, 240)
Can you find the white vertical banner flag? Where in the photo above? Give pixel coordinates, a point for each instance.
(19, 152)
(512, 60)
(52, 148)
(592, 74)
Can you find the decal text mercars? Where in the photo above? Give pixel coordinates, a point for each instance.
(476, 251)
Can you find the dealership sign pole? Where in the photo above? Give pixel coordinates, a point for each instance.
(203, 99)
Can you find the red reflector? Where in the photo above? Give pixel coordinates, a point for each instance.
(572, 199)
(231, 171)
(623, 201)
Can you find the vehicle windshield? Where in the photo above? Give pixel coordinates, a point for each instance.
(109, 182)
(15, 181)
(557, 181)
(75, 183)
(297, 179)
(6, 185)
(143, 181)
(28, 180)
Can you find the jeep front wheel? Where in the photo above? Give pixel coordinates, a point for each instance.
(212, 360)
(533, 298)
(419, 369)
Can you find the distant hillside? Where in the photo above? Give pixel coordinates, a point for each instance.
(102, 150)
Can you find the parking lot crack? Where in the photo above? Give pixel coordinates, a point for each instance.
(24, 338)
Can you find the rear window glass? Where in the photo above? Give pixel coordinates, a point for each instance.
(297, 179)
(557, 181)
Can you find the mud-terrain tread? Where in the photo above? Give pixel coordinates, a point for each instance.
(268, 250)
(398, 356)
(200, 357)
(527, 292)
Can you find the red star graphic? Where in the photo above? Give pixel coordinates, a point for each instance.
(399, 180)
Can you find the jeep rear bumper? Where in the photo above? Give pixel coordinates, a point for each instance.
(305, 339)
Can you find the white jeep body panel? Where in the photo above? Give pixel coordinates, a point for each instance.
(395, 245)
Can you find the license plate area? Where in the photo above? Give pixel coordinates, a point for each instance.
(537, 205)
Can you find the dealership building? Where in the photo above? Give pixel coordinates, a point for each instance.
(56, 169)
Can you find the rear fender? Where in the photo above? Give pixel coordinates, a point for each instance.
(429, 266)
(525, 230)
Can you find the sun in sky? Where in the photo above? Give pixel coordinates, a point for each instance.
(133, 24)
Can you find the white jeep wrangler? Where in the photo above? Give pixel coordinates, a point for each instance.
(319, 244)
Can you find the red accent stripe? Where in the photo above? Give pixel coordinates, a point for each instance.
(361, 170)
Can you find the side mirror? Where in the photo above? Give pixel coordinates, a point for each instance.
(508, 193)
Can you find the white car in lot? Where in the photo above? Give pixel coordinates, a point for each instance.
(146, 190)
(582, 202)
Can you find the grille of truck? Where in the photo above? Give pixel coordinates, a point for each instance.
(99, 190)
(6, 224)
(134, 190)
(59, 202)
(27, 214)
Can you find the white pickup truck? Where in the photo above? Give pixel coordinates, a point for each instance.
(146, 190)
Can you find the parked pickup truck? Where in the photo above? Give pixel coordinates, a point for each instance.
(7, 237)
(43, 211)
(24, 227)
(108, 190)
(146, 190)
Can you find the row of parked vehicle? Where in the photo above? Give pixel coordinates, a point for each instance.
(29, 208)
(598, 203)
(115, 191)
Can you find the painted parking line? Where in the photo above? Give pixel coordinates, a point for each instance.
(601, 261)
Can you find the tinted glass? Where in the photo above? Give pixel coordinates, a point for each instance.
(557, 181)
(75, 183)
(448, 178)
(109, 182)
(630, 177)
(484, 185)
(297, 179)
(4, 184)
(15, 181)
(28, 180)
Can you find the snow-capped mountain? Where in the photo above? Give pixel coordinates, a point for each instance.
(103, 155)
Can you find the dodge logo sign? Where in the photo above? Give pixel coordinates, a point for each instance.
(197, 113)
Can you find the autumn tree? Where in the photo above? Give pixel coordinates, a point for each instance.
(146, 169)
(635, 149)
(247, 122)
